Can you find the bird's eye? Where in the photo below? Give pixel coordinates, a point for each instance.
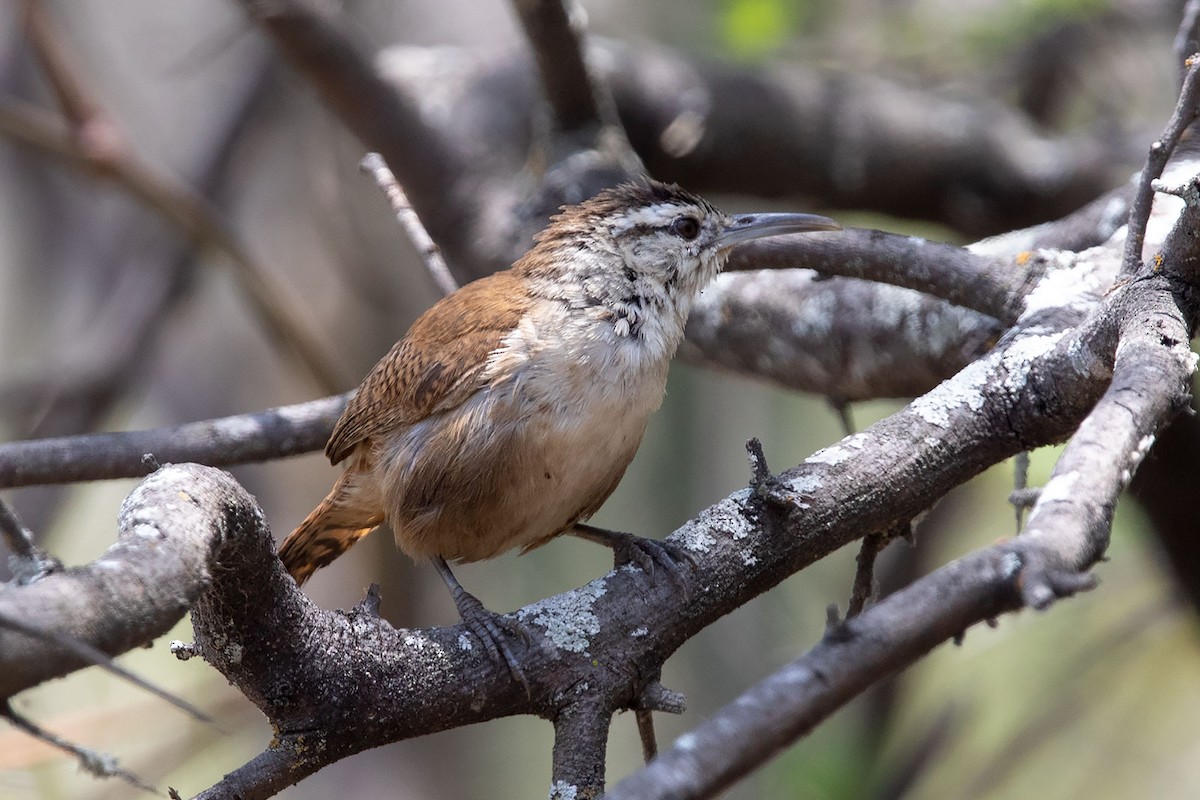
(686, 228)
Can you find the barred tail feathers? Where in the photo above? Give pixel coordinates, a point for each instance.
(330, 530)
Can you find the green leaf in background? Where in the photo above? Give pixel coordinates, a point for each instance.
(753, 28)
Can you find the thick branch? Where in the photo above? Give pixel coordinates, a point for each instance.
(580, 742)
(842, 338)
(135, 592)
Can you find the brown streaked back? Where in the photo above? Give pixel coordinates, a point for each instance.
(436, 366)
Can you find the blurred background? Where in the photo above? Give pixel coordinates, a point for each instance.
(111, 319)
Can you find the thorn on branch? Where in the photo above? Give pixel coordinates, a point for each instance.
(767, 486)
(369, 605)
(1188, 191)
(185, 651)
(1022, 500)
(656, 697)
(1040, 587)
(841, 407)
(836, 629)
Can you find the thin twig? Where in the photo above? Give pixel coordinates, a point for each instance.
(645, 726)
(1187, 38)
(1021, 498)
(29, 562)
(384, 117)
(864, 573)
(1160, 153)
(873, 544)
(74, 100)
(239, 439)
(98, 764)
(99, 658)
(374, 165)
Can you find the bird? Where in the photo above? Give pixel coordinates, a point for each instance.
(510, 410)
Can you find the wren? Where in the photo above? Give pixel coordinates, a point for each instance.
(510, 410)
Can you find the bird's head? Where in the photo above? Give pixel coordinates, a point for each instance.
(662, 236)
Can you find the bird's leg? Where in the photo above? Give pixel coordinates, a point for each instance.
(630, 549)
(486, 625)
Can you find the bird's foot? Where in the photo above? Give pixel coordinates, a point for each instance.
(634, 550)
(496, 632)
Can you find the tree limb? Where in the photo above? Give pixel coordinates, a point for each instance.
(240, 439)
(954, 274)
(557, 48)
(135, 592)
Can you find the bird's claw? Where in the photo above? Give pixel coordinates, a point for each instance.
(645, 553)
(642, 553)
(495, 632)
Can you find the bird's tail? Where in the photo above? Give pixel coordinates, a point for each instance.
(330, 530)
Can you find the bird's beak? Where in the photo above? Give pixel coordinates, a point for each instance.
(744, 227)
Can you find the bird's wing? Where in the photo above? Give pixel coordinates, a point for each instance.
(436, 366)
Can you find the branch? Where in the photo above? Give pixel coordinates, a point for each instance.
(75, 393)
(580, 741)
(556, 42)
(954, 274)
(374, 165)
(851, 657)
(1143, 332)
(91, 656)
(1161, 150)
(823, 336)
(825, 137)
(292, 659)
(850, 141)
(134, 593)
(1187, 38)
(1151, 384)
(241, 439)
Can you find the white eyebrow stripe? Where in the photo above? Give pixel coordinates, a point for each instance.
(656, 215)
